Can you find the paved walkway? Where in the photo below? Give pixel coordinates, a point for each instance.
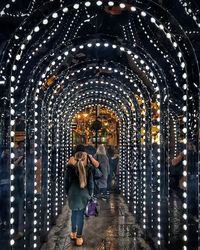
(113, 229)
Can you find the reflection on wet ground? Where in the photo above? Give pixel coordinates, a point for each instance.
(176, 225)
(113, 229)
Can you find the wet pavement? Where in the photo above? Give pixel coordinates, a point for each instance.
(113, 229)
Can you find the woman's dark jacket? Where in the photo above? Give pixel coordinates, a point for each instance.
(77, 196)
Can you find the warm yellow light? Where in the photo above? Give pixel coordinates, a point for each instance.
(85, 115)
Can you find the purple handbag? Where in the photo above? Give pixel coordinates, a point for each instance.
(91, 208)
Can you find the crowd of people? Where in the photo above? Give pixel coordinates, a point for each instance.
(81, 182)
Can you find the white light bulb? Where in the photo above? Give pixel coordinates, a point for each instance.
(87, 4)
(185, 216)
(133, 8)
(65, 9)
(37, 28)
(122, 5)
(99, 3)
(12, 231)
(185, 238)
(184, 75)
(110, 3)
(143, 13)
(184, 205)
(161, 27)
(12, 242)
(45, 21)
(55, 15)
(76, 6)
(184, 108)
(169, 35)
(29, 37)
(18, 57)
(23, 46)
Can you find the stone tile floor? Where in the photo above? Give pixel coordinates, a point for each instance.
(113, 229)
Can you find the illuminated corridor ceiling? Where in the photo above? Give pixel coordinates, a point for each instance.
(160, 37)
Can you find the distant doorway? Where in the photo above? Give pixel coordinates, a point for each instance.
(94, 126)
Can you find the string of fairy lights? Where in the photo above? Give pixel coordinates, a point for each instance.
(53, 105)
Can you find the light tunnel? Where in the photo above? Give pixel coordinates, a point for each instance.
(138, 59)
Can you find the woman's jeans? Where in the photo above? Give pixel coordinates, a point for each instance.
(77, 220)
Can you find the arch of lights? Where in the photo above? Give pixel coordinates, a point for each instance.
(61, 98)
(140, 10)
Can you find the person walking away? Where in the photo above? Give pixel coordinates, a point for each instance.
(90, 161)
(79, 187)
(103, 160)
(114, 170)
(110, 154)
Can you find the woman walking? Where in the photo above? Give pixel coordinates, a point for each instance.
(103, 160)
(79, 187)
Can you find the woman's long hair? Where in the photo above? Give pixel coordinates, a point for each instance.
(101, 150)
(81, 169)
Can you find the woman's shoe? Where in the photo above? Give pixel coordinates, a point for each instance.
(73, 235)
(79, 241)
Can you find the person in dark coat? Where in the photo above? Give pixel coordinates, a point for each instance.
(103, 160)
(79, 187)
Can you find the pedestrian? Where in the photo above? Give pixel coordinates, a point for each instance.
(79, 187)
(103, 160)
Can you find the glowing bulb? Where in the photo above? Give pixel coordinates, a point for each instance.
(110, 3)
(99, 3)
(55, 15)
(65, 9)
(87, 4)
(143, 13)
(76, 6)
(184, 75)
(45, 21)
(29, 37)
(122, 5)
(133, 8)
(37, 28)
